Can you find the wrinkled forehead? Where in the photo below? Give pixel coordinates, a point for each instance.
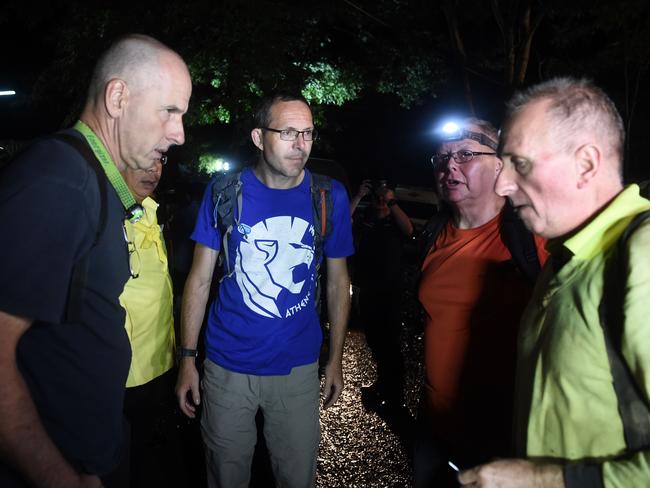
(294, 113)
(528, 128)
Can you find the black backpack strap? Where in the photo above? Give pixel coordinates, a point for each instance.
(428, 236)
(521, 244)
(633, 406)
(321, 203)
(87, 153)
(80, 269)
(227, 203)
(432, 230)
(644, 189)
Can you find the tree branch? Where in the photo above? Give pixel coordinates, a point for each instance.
(367, 14)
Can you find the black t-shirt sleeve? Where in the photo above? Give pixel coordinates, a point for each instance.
(45, 227)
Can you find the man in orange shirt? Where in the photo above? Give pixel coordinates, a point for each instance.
(477, 276)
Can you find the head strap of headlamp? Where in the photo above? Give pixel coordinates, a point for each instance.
(474, 136)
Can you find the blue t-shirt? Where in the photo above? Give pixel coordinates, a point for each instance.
(264, 321)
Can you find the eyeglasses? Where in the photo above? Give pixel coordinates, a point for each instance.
(134, 256)
(440, 160)
(292, 134)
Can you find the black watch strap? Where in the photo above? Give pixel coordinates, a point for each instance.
(181, 352)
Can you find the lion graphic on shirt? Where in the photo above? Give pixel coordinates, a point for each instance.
(271, 258)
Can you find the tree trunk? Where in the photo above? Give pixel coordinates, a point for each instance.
(528, 28)
(517, 31)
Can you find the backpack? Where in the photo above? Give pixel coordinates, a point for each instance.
(644, 189)
(633, 406)
(227, 205)
(80, 269)
(517, 238)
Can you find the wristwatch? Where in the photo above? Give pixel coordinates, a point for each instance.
(181, 352)
(391, 202)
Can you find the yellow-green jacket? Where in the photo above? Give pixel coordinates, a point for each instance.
(567, 408)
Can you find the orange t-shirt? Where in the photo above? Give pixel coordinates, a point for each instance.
(473, 297)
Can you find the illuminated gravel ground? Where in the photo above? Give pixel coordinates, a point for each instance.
(358, 448)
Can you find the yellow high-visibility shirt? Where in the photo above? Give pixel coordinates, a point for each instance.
(147, 300)
(566, 403)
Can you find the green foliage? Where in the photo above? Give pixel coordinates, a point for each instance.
(210, 164)
(330, 85)
(208, 114)
(331, 52)
(415, 81)
(208, 70)
(254, 89)
(335, 52)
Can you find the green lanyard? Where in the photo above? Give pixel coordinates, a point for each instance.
(134, 211)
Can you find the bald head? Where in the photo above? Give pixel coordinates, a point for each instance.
(138, 95)
(134, 58)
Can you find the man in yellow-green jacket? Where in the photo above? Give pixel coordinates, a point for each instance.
(562, 148)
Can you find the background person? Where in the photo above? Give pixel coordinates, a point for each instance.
(380, 231)
(148, 302)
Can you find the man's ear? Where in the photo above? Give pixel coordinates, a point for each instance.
(587, 163)
(116, 96)
(256, 136)
(499, 166)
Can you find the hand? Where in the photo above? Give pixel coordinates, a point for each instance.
(333, 385)
(364, 189)
(188, 381)
(513, 473)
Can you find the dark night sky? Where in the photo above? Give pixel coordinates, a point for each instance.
(25, 54)
(374, 136)
(371, 137)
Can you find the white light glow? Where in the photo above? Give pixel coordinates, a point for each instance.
(7, 93)
(213, 164)
(450, 128)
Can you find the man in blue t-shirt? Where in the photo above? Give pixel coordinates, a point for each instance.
(263, 335)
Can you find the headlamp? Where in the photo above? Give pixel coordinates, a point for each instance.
(451, 131)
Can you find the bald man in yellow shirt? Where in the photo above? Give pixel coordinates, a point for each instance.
(147, 300)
